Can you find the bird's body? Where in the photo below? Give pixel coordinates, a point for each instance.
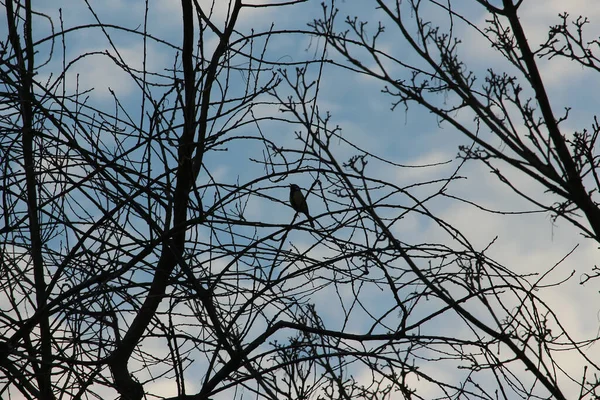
(298, 202)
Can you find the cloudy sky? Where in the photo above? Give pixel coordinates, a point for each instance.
(525, 242)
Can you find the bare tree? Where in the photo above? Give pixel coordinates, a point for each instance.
(130, 260)
(508, 103)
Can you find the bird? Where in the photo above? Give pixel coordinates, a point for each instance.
(298, 202)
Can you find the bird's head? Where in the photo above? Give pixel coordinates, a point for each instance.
(294, 187)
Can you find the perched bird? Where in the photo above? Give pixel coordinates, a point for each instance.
(298, 202)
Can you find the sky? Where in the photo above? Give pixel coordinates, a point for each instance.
(522, 242)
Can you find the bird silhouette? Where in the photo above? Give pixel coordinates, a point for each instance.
(298, 202)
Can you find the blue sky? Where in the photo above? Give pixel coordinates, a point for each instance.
(529, 243)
